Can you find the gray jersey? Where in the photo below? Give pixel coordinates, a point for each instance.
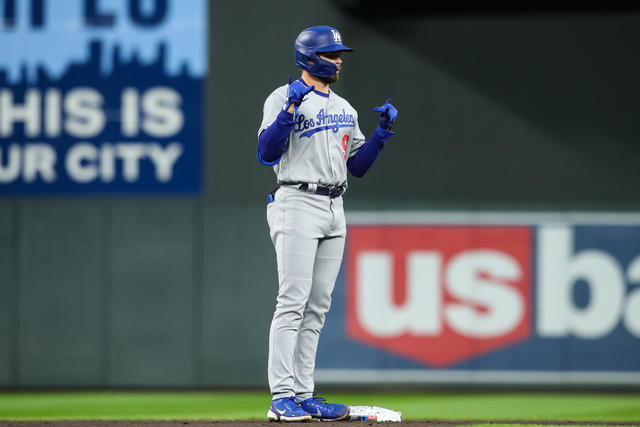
(324, 136)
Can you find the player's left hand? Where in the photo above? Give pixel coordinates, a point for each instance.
(388, 114)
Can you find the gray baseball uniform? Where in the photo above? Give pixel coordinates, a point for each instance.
(308, 231)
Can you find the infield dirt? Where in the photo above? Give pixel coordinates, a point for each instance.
(240, 423)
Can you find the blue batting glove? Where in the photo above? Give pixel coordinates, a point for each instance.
(388, 114)
(296, 92)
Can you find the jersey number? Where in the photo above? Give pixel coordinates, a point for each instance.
(345, 139)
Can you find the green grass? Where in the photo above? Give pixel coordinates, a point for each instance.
(253, 405)
(492, 406)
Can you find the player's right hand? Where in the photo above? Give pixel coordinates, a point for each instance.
(297, 91)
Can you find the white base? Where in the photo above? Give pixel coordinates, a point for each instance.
(373, 413)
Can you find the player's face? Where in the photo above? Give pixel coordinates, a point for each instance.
(333, 57)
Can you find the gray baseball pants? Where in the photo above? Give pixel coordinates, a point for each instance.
(308, 232)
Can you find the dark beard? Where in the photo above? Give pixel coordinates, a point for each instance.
(329, 80)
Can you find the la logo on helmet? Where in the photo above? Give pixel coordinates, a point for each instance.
(336, 36)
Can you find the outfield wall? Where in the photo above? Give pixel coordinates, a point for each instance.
(151, 279)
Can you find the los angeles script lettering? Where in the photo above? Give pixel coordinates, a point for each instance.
(323, 119)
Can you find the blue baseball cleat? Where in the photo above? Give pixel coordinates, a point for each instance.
(320, 409)
(287, 409)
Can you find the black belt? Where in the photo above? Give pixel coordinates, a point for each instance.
(321, 190)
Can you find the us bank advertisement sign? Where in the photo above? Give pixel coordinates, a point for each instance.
(487, 298)
(102, 96)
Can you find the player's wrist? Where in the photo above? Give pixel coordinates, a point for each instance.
(383, 133)
(290, 107)
(285, 117)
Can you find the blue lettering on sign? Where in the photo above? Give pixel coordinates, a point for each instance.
(322, 122)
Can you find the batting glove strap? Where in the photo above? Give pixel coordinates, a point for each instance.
(383, 134)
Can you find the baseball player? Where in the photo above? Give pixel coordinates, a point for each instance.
(310, 135)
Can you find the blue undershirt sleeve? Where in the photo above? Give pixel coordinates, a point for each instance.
(366, 156)
(272, 142)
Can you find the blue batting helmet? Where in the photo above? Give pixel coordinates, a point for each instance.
(316, 40)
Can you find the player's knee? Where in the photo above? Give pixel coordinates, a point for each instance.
(314, 319)
(290, 317)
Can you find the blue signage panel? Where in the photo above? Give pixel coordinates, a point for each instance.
(102, 96)
(553, 297)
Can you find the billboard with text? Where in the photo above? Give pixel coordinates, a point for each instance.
(505, 294)
(102, 96)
